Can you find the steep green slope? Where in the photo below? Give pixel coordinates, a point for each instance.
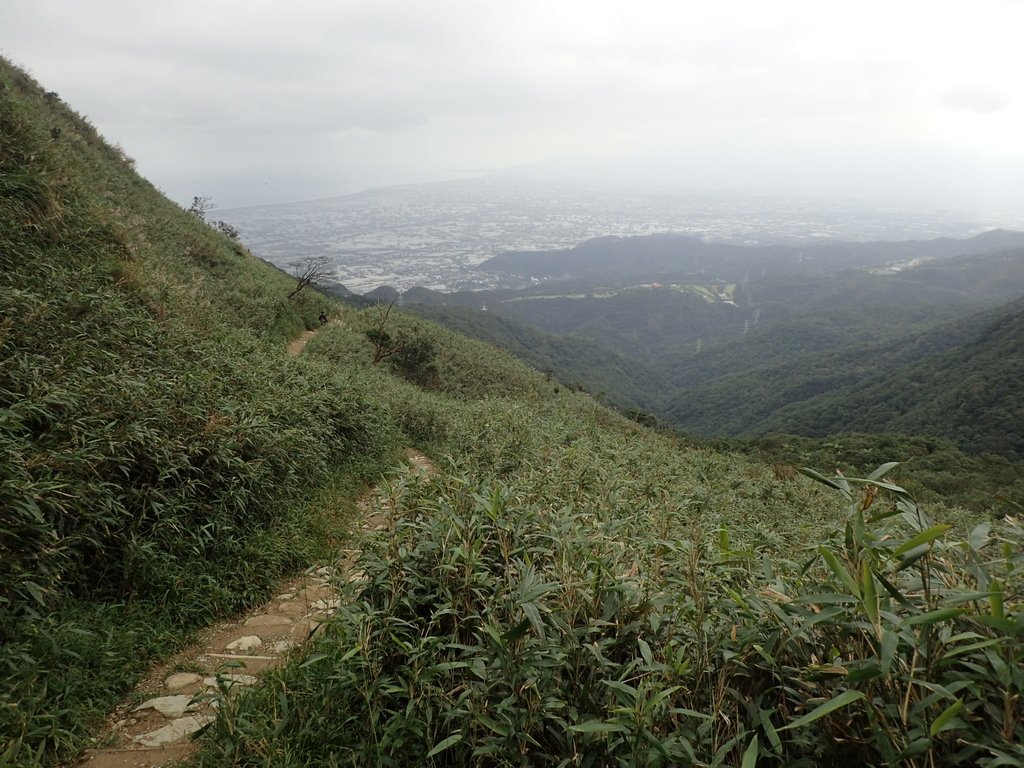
(739, 387)
(575, 362)
(159, 454)
(569, 589)
(970, 394)
(959, 381)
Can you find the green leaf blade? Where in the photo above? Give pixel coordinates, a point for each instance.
(842, 700)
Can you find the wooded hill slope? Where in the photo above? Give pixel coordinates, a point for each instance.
(569, 589)
(789, 351)
(958, 380)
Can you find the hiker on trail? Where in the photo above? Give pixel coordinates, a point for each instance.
(323, 318)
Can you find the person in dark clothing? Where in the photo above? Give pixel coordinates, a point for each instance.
(323, 318)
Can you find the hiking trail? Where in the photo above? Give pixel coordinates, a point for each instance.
(177, 698)
(298, 344)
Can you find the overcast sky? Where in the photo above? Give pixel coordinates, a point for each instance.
(253, 102)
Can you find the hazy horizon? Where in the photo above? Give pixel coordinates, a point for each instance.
(255, 103)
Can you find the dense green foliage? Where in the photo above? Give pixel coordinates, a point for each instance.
(933, 468)
(956, 380)
(160, 456)
(585, 595)
(970, 394)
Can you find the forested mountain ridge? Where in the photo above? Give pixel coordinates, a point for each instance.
(970, 394)
(771, 395)
(745, 359)
(662, 257)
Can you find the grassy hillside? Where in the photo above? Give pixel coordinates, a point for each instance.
(569, 589)
(163, 462)
(574, 362)
(573, 590)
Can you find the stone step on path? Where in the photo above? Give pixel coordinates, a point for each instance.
(181, 696)
(230, 656)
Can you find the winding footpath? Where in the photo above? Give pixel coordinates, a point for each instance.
(154, 726)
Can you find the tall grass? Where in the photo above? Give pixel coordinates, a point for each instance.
(492, 629)
(160, 455)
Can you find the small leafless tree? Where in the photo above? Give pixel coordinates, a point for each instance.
(225, 229)
(307, 271)
(201, 206)
(383, 343)
(410, 354)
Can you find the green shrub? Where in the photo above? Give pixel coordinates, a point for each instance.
(490, 629)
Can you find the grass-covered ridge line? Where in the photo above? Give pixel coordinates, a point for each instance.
(161, 457)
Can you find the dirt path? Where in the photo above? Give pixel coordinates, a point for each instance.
(154, 725)
(177, 698)
(298, 344)
(295, 347)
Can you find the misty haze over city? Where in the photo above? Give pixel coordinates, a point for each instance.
(433, 235)
(427, 138)
(912, 104)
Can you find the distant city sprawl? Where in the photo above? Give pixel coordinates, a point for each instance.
(432, 235)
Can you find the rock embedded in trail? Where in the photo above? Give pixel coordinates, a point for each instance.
(174, 731)
(168, 706)
(180, 680)
(292, 609)
(244, 643)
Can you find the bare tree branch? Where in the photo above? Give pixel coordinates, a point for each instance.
(384, 345)
(308, 270)
(201, 206)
